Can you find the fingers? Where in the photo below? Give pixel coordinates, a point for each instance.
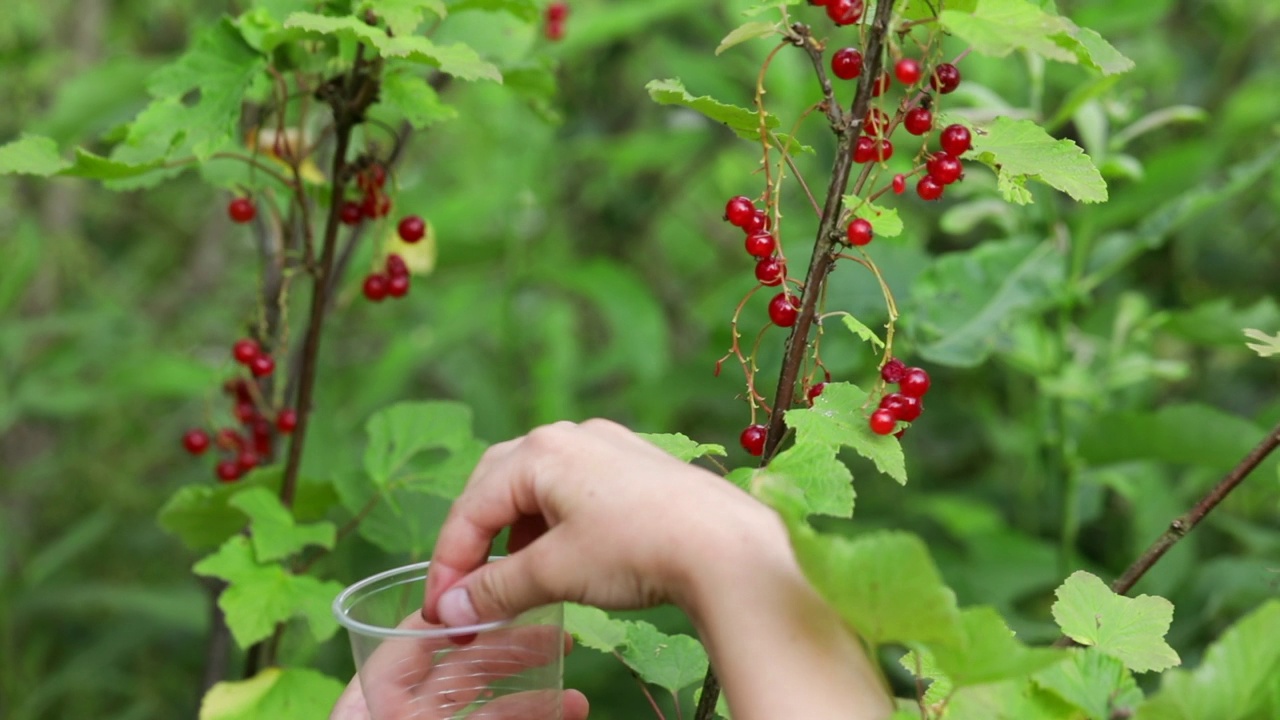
(351, 705)
(505, 588)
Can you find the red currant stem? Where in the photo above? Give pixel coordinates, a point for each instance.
(904, 27)
(234, 156)
(766, 135)
(802, 37)
(791, 163)
(847, 256)
(886, 188)
(748, 366)
(644, 687)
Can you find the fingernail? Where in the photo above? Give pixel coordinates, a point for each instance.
(455, 608)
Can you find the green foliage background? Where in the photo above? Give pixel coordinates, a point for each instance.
(584, 270)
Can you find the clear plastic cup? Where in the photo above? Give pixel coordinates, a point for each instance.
(409, 668)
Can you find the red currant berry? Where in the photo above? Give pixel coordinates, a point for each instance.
(899, 184)
(882, 85)
(245, 412)
(904, 407)
(241, 210)
(864, 150)
(845, 12)
(944, 168)
(375, 205)
(846, 64)
(758, 222)
(918, 121)
(875, 123)
(350, 213)
(247, 460)
(915, 382)
(237, 388)
(396, 265)
(883, 422)
(818, 3)
(859, 232)
(262, 366)
(377, 175)
(287, 420)
(929, 188)
(752, 439)
(945, 78)
(893, 371)
(195, 441)
(908, 71)
(761, 245)
(229, 439)
(262, 438)
(814, 391)
(784, 308)
(554, 31)
(770, 271)
(411, 229)
(398, 286)
(375, 287)
(557, 12)
(244, 351)
(738, 210)
(228, 471)
(956, 139)
(884, 150)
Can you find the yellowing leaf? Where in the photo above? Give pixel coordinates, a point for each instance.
(277, 693)
(420, 257)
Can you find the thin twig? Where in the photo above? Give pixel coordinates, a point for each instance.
(643, 687)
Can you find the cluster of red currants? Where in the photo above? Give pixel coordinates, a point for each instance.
(842, 12)
(904, 405)
(253, 443)
(762, 244)
(393, 280)
(374, 202)
(554, 16)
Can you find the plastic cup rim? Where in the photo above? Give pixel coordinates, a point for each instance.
(353, 625)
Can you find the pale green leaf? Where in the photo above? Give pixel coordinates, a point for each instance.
(839, 419)
(526, 10)
(745, 123)
(856, 327)
(1093, 681)
(1265, 345)
(672, 662)
(31, 155)
(403, 16)
(277, 693)
(745, 32)
(921, 663)
(1008, 700)
(415, 100)
(1130, 629)
(457, 59)
(682, 447)
(885, 222)
(989, 652)
(1093, 51)
(999, 27)
(593, 628)
(272, 529)
(922, 9)
(95, 167)
(201, 516)
(769, 6)
(1020, 150)
(404, 431)
(824, 484)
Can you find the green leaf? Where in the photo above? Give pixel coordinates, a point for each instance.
(415, 100)
(202, 517)
(1020, 150)
(922, 9)
(1008, 700)
(1093, 51)
(673, 662)
(920, 662)
(403, 16)
(259, 596)
(682, 447)
(743, 122)
(967, 304)
(856, 327)
(1093, 681)
(1130, 629)
(998, 27)
(526, 10)
(839, 419)
(989, 652)
(813, 470)
(281, 693)
(593, 628)
(95, 167)
(745, 32)
(1233, 681)
(272, 529)
(404, 431)
(885, 222)
(31, 155)
(1265, 345)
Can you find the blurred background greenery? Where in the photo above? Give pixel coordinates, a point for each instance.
(584, 271)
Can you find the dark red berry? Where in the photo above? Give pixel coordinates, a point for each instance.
(784, 308)
(859, 232)
(845, 12)
(814, 391)
(554, 31)
(956, 139)
(752, 439)
(945, 78)
(864, 150)
(899, 184)
(245, 412)
(228, 439)
(904, 407)
(770, 271)
(245, 350)
(411, 229)
(398, 286)
(350, 213)
(846, 64)
(893, 371)
(396, 265)
(929, 188)
(758, 222)
(262, 439)
(761, 245)
(287, 420)
(882, 85)
(242, 210)
(915, 383)
(818, 3)
(375, 205)
(875, 122)
(377, 175)
(883, 422)
(237, 388)
(944, 168)
(195, 441)
(247, 460)
(557, 12)
(908, 71)
(228, 471)
(738, 210)
(918, 121)
(262, 366)
(884, 150)
(375, 287)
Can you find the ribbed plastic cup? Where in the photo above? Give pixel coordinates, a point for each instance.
(411, 669)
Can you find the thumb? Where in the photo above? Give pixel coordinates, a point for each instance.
(500, 590)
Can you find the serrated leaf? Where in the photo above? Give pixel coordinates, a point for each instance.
(272, 529)
(885, 222)
(922, 9)
(682, 447)
(1008, 700)
(1093, 51)
(865, 333)
(404, 431)
(1233, 681)
(745, 32)
(921, 663)
(998, 27)
(989, 651)
(31, 155)
(967, 304)
(526, 10)
(280, 693)
(458, 60)
(672, 662)
(259, 596)
(415, 100)
(839, 419)
(593, 628)
(743, 122)
(1130, 629)
(201, 516)
(1020, 150)
(813, 470)
(1093, 681)
(1265, 345)
(403, 16)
